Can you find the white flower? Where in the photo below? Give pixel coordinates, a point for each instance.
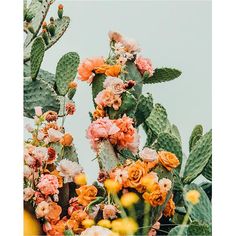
(165, 184)
(38, 111)
(28, 193)
(118, 48)
(29, 128)
(54, 135)
(121, 175)
(68, 169)
(148, 154)
(96, 231)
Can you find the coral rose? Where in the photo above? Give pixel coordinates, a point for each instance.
(135, 173)
(54, 212)
(168, 160)
(144, 65)
(99, 112)
(86, 194)
(86, 68)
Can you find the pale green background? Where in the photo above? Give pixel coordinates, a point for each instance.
(171, 33)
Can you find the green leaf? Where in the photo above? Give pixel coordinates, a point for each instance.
(162, 75)
(202, 210)
(195, 136)
(207, 171)
(157, 120)
(199, 229)
(207, 187)
(37, 53)
(176, 231)
(39, 93)
(144, 108)
(198, 158)
(66, 71)
(170, 143)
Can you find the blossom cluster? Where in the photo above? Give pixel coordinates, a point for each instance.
(119, 132)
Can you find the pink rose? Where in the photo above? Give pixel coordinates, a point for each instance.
(109, 212)
(144, 65)
(148, 154)
(54, 135)
(99, 129)
(48, 184)
(38, 111)
(115, 84)
(115, 36)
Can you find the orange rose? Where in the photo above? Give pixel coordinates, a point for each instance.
(54, 212)
(170, 208)
(66, 140)
(101, 69)
(99, 112)
(113, 71)
(168, 160)
(86, 194)
(135, 173)
(155, 197)
(79, 216)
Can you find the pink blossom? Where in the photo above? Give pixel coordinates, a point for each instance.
(40, 135)
(148, 154)
(144, 65)
(38, 111)
(27, 172)
(48, 184)
(99, 129)
(70, 108)
(133, 146)
(109, 212)
(28, 193)
(115, 36)
(29, 128)
(41, 153)
(54, 135)
(115, 84)
(131, 46)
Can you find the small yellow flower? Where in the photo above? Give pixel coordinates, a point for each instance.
(80, 179)
(104, 223)
(125, 226)
(87, 223)
(112, 186)
(192, 196)
(128, 199)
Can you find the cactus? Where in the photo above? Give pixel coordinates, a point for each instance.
(175, 132)
(127, 107)
(107, 158)
(134, 74)
(97, 84)
(144, 108)
(170, 143)
(157, 120)
(71, 93)
(198, 158)
(162, 75)
(37, 53)
(202, 210)
(39, 10)
(195, 136)
(175, 231)
(207, 171)
(66, 71)
(39, 93)
(199, 228)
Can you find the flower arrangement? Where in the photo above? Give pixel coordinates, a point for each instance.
(139, 190)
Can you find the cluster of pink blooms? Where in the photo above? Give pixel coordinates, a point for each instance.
(144, 65)
(110, 96)
(120, 132)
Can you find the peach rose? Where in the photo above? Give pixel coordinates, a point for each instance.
(54, 212)
(135, 173)
(42, 209)
(144, 65)
(86, 194)
(113, 70)
(115, 36)
(115, 84)
(109, 212)
(66, 140)
(170, 208)
(168, 160)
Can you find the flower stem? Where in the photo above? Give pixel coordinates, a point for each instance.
(185, 220)
(147, 208)
(117, 201)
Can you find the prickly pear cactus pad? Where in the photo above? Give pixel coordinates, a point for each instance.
(145, 189)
